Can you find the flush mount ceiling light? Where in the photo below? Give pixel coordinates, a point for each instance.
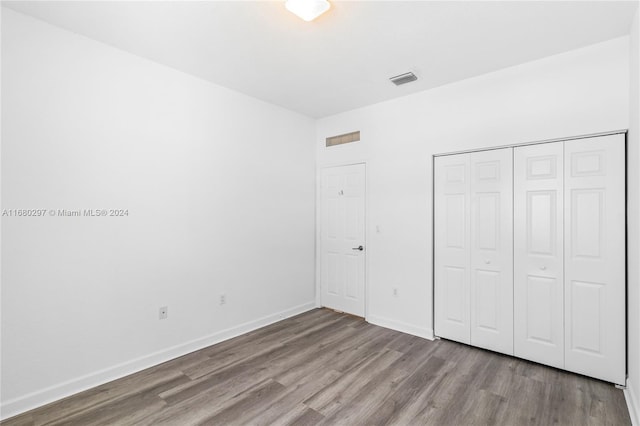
(308, 10)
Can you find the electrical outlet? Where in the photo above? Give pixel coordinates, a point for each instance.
(395, 292)
(163, 312)
(223, 299)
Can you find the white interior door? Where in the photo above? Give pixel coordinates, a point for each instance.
(451, 243)
(539, 253)
(491, 278)
(342, 278)
(595, 257)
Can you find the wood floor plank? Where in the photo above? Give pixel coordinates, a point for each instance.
(356, 406)
(147, 380)
(301, 415)
(357, 353)
(193, 401)
(247, 405)
(252, 366)
(330, 352)
(405, 400)
(261, 343)
(334, 396)
(129, 410)
(308, 417)
(323, 367)
(293, 398)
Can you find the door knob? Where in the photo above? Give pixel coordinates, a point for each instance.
(360, 248)
(487, 262)
(543, 267)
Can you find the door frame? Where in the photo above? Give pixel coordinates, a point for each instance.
(318, 236)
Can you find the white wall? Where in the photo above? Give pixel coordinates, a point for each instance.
(579, 92)
(633, 225)
(220, 192)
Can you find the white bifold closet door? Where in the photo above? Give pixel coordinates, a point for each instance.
(473, 249)
(539, 253)
(594, 238)
(452, 247)
(530, 253)
(491, 277)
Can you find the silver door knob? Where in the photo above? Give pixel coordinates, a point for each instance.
(360, 248)
(487, 262)
(543, 267)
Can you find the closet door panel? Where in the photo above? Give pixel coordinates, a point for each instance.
(595, 257)
(491, 278)
(451, 209)
(538, 253)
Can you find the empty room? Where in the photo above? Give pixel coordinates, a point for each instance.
(320, 212)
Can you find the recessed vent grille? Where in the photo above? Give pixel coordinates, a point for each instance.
(405, 78)
(346, 138)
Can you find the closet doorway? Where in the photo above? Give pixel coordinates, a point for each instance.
(530, 252)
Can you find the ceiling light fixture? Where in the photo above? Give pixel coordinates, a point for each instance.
(308, 10)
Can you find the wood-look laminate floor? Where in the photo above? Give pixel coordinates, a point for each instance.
(326, 368)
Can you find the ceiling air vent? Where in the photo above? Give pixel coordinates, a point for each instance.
(405, 78)
(346, 138)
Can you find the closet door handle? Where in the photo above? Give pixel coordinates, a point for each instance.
(360, 248)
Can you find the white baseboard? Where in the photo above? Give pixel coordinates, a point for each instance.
(631, 396)
(425, 333)
(41, 397)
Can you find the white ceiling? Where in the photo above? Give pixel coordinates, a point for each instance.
(343, 59)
